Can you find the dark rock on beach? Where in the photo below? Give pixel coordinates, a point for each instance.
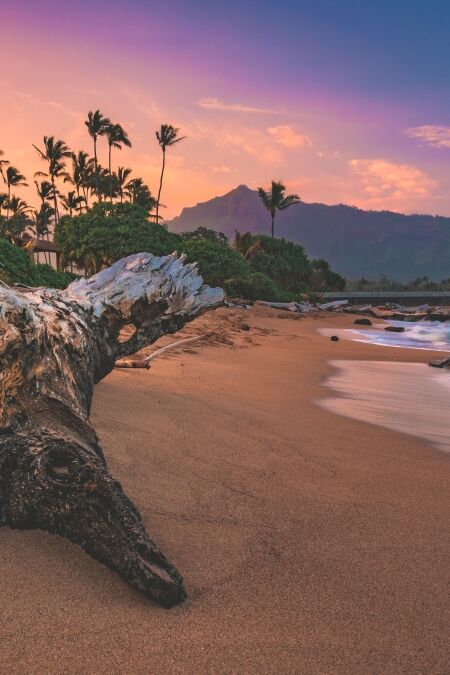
(363, 322)
(441, 363)
(395, 329)
(334, 338)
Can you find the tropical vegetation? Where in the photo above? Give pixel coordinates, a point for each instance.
(106, 212)
(16, 267)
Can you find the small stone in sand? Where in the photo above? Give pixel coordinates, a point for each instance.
(334, 338)
(245, 326)
(395, 329)
(363, 322)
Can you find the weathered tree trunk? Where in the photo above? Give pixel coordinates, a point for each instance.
(54, 346)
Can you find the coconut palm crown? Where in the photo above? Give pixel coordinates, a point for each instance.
(117, 136)
(167, 135)
(97, 125)
(275, 200)
(54, 153)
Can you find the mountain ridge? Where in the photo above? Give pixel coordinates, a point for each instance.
(356, 242)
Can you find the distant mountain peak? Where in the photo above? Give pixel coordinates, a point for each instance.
(357, 243)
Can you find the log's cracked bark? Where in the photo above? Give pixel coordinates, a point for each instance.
(54, 346)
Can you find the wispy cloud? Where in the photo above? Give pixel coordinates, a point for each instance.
(216, 104)
(385, 180)
(432, 134)
(222, 169)
(252, 142)
(287, 135)
(66, 110)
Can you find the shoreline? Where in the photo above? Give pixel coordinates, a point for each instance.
(403, 397)
(376, 331)
(303, 537)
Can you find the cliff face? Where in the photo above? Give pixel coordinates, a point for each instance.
(357, 243)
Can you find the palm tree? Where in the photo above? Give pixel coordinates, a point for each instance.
(140, 194)
(246, 244)
(72, 202)
(45, 190)
(12, 178)
(82, 170)
(43, 219)
(121, 180)
(275, 200)
(55, 153)
(20, 218)
(3, 202)
(18, 206)
(97, 126)
(99, 182)
(166, 136)
(117, 136)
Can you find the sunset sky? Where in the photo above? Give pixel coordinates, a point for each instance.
(345, 100)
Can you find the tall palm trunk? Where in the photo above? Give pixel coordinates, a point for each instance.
(97, 177)
(9, 201)
(55, 200)
(160, 185)
(273, 224)
(85, 194)
(110, 177)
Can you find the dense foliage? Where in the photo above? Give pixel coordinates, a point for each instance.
(205, 233)
(255, 267)
(217, 261)
(283, 261)
(256, 286)
(16, 267)
(111, 231)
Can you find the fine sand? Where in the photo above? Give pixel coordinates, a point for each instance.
(309, 542)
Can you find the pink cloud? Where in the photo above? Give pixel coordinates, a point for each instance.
(431, 134)
(287, 135)
(216, 104)
(384, 179)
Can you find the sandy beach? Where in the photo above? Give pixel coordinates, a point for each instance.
(309, 542)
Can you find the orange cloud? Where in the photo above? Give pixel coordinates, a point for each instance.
(387, 181)
(289, 137)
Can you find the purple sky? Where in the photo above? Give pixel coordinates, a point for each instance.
(344, 102)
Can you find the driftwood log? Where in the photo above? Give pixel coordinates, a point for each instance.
(54, 346)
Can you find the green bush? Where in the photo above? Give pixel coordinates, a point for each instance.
(256, 286)
(283, 261)
(45, 275)
(205, 233)
(216, 261)
(16, 267)
(108, 232)
(15, 264)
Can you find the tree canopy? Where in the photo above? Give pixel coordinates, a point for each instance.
(111, 231)
(217, 261)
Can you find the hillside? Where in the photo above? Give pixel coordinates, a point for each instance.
(357, 243)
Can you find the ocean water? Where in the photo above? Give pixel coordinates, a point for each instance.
(408, 397)
(418, 335)
(434, 335)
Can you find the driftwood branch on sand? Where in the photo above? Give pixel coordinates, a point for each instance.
(54, 346)
(145, 362)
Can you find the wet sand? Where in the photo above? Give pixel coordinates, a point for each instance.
(407, 397)
(309, 542)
